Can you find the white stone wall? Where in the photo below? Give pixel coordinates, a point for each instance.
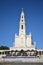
(20, 41)
(24, 48)
(23, 41)
(29, 41)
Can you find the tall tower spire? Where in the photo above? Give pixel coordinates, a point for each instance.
(22, 28)
(23, 41)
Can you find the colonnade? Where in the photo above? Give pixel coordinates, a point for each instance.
(7, 52)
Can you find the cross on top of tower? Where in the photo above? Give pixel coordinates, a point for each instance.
(22, 9)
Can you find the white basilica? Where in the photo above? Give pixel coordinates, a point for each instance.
(23, 41)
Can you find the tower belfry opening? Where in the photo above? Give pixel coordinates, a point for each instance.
(21, 26)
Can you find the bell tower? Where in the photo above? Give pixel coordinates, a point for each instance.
(22, 28)
(23, 41)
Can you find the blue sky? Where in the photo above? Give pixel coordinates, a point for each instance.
(10, 11)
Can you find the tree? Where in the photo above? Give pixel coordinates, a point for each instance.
(4, 48)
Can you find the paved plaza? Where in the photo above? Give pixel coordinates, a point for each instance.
(20, 63)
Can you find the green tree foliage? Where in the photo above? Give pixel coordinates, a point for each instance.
(4, 48)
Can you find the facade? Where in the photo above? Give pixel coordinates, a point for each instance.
(23, 41)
